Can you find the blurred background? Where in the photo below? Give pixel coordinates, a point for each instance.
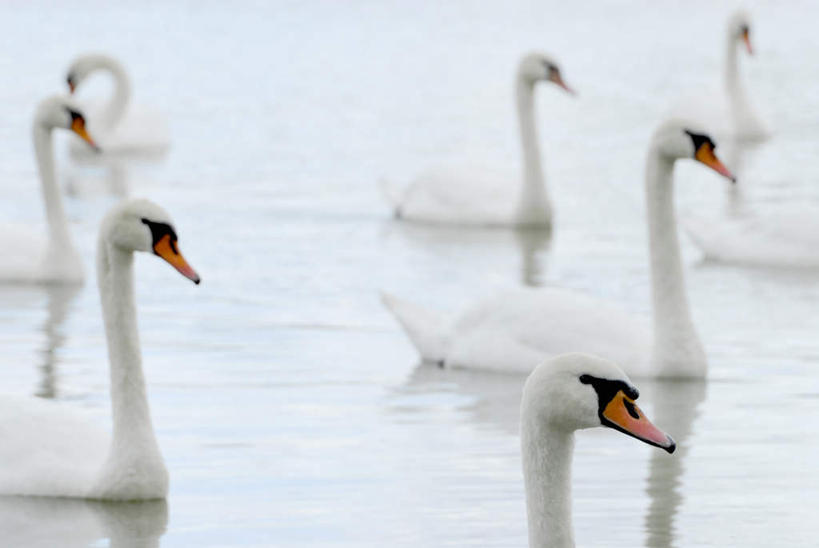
(289, 406)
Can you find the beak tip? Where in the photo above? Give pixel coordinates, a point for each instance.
(197, 280)
(672, 445)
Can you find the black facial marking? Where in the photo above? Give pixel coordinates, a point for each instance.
(699, 139)
(743, 30)
(159, 231)
(606, 389)
(70, 79)
(550, 68)
(75, 115)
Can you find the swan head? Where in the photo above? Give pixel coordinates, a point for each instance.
(141, 225)
(679, 139)
(61, 112)
(739, 29)
(83, 66)
(538, 67)
(578, 391)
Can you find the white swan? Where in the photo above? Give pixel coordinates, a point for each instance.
(567, 393)
(517, 329)
(726, 108)
(120, 126)
(47, 449)
(454, 197)
(746, 124)
(27, 256)
(784, 237)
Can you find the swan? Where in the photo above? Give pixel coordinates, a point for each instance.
(120, 126)
(49, 450)
(781, 237)
(567, 393)
(453, 197)
(516, 329)
(731, 114)
(27, 256)
(746, 124)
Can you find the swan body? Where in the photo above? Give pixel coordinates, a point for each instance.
(786, 238)
(564, 394)
(515, 330)
(479, 197)
(29, 256)
(121, 127)
(51, 450)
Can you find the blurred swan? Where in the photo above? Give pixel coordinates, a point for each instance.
(517, 329)
(783, 237)
(567, 393)
(121, 127)
(27, 256)
(746, 123)
(47, 449)
(477, 198)
(732, 115)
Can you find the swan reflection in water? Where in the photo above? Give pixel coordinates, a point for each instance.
(448, 242)
(60, 299)
(495, 396)
(676, 405)
(43, 522)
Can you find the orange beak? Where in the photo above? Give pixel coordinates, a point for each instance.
(169, 251)
(556, 78)
(622, 414)
(71, 86)
(78, 127)
(746, 37)
(705, 154)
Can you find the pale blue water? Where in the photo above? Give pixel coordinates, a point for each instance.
(287, 402)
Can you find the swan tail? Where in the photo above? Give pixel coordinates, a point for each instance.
(426, 329)
(392, 194)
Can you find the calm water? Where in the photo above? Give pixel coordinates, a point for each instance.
(288, 404)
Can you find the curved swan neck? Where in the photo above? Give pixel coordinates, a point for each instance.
(55, 214)
(133, 433)
(534, 207)
(115, 108)
(677, 349)
(547, 458)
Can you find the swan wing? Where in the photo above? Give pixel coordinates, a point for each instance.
(48, 449)
(461, 197)
(786, 238)
(23, 253)
(516, 330)
(428, 330)
(142, 130)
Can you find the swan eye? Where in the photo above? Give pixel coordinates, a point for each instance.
(585, 379)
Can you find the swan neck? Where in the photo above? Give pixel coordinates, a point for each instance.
(55, 214)
(731, 69)
(133, 433)
(677, 350)
(534, 206)
(547, 456)
(115, 109)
